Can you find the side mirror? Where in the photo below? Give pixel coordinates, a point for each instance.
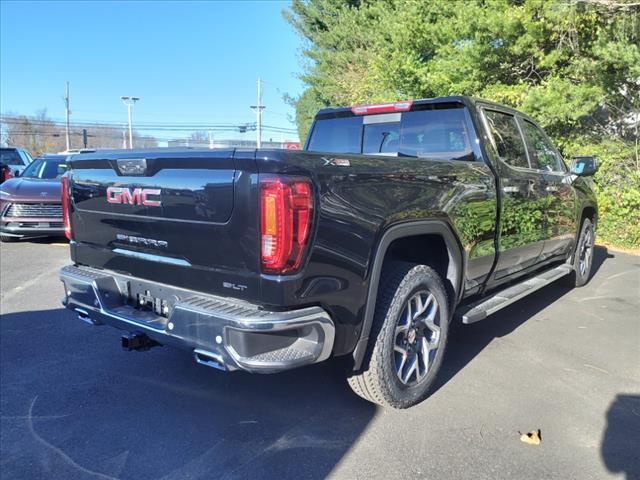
(16, 173)
(584, 166)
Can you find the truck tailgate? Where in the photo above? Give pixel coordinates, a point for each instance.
(172, 217)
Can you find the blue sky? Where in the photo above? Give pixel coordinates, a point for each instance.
(190, 62)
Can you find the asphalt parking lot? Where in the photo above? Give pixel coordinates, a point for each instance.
(567, 362)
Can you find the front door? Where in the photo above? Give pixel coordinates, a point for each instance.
(561, 214)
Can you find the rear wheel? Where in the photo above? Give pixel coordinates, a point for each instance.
(583, 258)
(408, 337)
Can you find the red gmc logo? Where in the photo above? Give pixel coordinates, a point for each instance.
(136, 196)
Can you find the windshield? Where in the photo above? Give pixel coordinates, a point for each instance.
(45, 168)
(439, 133)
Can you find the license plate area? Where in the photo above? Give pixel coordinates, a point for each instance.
(151, 298)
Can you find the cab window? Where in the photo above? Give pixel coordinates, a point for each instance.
(507, 138)
(543, 155)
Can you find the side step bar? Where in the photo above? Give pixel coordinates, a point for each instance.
(481, 310)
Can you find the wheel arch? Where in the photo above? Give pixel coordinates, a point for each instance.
(590, 212)
(409, 231)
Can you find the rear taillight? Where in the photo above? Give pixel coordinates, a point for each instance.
(382, 108)
(286, 207)
(65, 208)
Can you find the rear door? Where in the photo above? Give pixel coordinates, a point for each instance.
(523, 197)
(185, 218)
(561, 214)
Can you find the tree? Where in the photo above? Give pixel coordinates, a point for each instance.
(39, 134)
(573, 65)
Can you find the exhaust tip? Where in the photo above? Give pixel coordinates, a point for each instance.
(84, 316)
(209, 359)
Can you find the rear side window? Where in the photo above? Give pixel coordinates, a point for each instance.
(10, 157)
(543, 155)
(506, 135)
(438, 133)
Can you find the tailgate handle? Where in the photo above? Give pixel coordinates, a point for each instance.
(132, 166)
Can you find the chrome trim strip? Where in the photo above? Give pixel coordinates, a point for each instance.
(152, 258)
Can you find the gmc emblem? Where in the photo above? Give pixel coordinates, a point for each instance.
(136, 196)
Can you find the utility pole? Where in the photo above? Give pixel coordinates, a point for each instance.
(66, 107)
(124, 139)
(258, 109)
(129, 102)
(210, 140)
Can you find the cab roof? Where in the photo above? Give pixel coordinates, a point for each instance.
(419, 104)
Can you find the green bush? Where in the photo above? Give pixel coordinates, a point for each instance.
(618, 186)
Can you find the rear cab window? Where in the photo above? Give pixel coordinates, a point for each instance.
(338, 135)
(433, 131)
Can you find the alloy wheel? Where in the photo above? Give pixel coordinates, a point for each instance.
(417, 337)
(586, 253)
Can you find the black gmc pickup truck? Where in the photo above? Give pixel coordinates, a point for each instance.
(395, 221)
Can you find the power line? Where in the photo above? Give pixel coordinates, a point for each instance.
(22, 119)
(149, 127)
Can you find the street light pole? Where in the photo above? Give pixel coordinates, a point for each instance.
(258, 109)
(129, 102)
(67, 112)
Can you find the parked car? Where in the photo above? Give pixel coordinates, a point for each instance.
(16, 159)
(30, 205)
(394, 221)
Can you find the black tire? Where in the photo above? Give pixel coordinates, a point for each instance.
(583, 253)
(7, 239)
(379, 381)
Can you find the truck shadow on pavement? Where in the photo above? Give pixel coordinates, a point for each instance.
(75, 406)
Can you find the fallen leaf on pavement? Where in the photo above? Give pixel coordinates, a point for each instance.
(531, 438)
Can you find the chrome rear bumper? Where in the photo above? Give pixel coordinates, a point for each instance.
(220, 333)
